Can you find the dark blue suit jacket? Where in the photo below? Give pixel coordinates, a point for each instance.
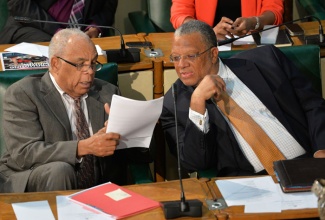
(277, 83)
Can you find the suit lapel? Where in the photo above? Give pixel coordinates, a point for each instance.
(51, 95)
(95, 111)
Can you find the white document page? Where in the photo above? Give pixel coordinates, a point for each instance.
(245, 40)
(69, 210)
(30, 48)
(33, 210)
(134, 120)
(261, 194)
(243, 191)
(297, 200)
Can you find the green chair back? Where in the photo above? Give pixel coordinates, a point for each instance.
(155, 19)
(159, 13)
(3, 13)
(314, 7)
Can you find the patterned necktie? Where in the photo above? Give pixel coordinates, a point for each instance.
(85, 173)
(264, 148)
(76, 13)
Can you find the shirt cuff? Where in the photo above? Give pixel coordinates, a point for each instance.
(201, 121)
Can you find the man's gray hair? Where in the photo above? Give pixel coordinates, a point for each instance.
(60, 40)
(196, 26)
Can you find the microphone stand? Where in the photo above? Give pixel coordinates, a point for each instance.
(130, 55)
(318, 39)
(183, 207)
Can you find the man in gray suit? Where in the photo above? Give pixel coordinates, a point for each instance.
(42, 151)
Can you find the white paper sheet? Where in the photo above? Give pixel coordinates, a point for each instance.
(30, 48)
(245, 40)
(261, 194)
(297, 200)
(68, 210)
(33, 210)
(134, 120)
(243, 191)
(38, 50)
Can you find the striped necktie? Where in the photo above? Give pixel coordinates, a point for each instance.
(85, 173)
(77, 13)
(264, 148)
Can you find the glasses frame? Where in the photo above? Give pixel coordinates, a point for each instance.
(95, 67)
(190, 57)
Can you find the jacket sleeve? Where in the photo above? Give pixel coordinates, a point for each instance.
(31, 9)
(180, 10)
(197, 150)
(275, 6)
(103, 14)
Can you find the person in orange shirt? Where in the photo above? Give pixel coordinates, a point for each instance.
(228, 17)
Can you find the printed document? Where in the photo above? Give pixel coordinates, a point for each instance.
(134, 120)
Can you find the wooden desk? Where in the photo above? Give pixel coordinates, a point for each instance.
(162, 191)
(237, 212)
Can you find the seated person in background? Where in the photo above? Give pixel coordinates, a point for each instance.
(228, 17)
(271, 91)
(49, 139)
(99, 12)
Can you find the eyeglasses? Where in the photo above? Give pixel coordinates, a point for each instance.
(84, 67)
(190, 57)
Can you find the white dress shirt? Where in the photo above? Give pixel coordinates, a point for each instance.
(248, 101)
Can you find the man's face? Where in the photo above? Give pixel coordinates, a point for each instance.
(196, 59)
(71, 80)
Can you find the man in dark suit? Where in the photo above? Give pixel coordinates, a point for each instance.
(99, 12)
(43, 149)
(261, 81)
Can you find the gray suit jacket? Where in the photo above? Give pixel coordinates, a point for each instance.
(37, 131)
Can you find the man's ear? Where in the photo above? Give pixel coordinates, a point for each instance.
(214, 54)
(55, 64)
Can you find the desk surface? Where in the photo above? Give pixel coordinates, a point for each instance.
(162, 191)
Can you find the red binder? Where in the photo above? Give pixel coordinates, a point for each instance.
(114, 200)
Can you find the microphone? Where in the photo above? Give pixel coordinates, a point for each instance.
(317, 39)
(189, 208)
(123, 55)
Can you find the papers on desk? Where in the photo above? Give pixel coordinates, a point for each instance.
(33, 210)
(241, 41)
(68, 210)
(29, 48)
(133, 120)
(261, 194)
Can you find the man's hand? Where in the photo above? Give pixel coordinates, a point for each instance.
(92, 32)
(319, 154)
(211, 86)
(101, 144)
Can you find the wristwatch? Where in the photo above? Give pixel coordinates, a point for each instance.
(257, 23)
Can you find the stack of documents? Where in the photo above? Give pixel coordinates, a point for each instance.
(261, 194)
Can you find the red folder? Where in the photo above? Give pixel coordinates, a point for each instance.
(114, 200)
